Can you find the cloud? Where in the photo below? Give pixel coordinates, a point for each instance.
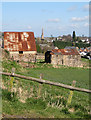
(74, 25)
(53, 20)
(43, 10)
(47, 11)
(86, 24)
(60, 28)
(86, 7)
(79, 19)
(29, 27)
(72, 8)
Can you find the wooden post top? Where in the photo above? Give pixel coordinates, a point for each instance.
(13, 71)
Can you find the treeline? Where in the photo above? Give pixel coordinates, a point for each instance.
(62, 44)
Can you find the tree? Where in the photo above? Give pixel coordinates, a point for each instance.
(74, 36)
(52, 37)
(78, 39)
(2, 33)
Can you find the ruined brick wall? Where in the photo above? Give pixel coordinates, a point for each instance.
(27, 57)
(68, 60)
(23, 57)
(40, 56)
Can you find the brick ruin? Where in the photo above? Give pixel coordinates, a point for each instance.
(21, 46)
(67, 57)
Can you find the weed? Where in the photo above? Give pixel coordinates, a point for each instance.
(36, 103)
(65, 111)
(7, 52)
(87, 116)
(9, 96)
(79, 113)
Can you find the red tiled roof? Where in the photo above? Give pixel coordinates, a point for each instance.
(65, 51)
(87, 50)
(19, 41)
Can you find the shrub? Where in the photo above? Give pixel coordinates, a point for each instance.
(7, 52)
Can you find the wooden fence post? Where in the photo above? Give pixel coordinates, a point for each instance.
(71, 94)
(12, 79)
(40, 86)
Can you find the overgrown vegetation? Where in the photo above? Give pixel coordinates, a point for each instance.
(38, 48)
(62, 44)
(36, 100)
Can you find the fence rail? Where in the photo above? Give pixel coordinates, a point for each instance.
(47, 82)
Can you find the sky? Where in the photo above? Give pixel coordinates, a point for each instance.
(56, 18)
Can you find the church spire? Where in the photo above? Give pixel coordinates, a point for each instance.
(42, 36)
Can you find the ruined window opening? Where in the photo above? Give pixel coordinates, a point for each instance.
(48, 57)
(57, 59)
(62, 62)
(20, 52)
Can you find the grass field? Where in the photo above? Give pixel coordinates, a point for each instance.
(50, 101)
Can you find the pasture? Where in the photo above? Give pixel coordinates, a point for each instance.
(50, 101)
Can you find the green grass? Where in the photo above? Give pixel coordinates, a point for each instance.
(61, 75)
(52, 101)
(38, 108)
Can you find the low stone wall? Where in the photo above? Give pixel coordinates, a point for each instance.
(40, 56)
